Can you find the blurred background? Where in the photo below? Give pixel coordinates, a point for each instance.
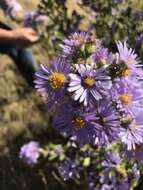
(23, 114)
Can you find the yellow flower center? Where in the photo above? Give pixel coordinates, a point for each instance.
(57, 80)
(125, 99)
(78, 122)
(89, 82)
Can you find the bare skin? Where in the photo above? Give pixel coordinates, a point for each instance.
(22, 37)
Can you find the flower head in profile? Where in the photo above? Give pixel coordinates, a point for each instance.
(131, 133)
(74, 122)
(30, 152)
(88, 84)
(51, 80)
(77, 39)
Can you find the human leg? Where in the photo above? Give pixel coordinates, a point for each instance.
(23, 58)
(26, 64)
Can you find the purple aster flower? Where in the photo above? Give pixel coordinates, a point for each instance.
(74, 122)
(28, 19)
(79, 46)
(51, 80)
(37, 21)
(131, 134)
(128, 61)
(77, 39)
(33, 17)
(68, 170)
(126, 55)
(89, 84)
(30, 152)
(106, 122)
(111, 160)
(128, 99)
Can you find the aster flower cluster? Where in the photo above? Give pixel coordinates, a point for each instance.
(35, 20)
(105, 169)
(96, 96)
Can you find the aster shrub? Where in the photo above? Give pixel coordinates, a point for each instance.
(96, 96)
(96, 100)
